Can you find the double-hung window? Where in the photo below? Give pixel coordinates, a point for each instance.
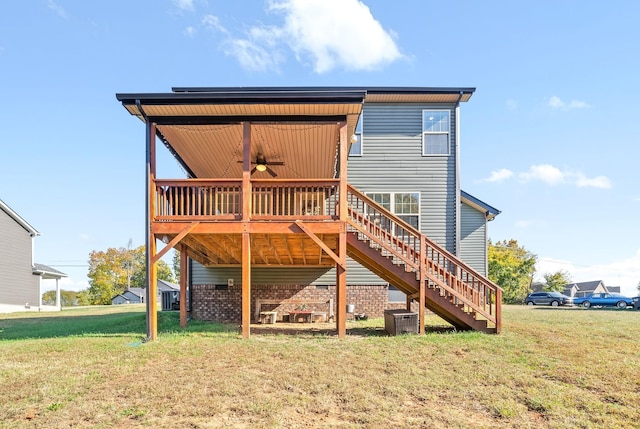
(435, 132)
(356, 148)
(405, 205)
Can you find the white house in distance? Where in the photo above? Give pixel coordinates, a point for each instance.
(20, 277)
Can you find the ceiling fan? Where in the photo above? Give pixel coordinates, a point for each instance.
(261, 164)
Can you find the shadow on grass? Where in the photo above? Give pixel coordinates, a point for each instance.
(124, 324)
(132, 325)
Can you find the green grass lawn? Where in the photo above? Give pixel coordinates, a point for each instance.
(557, 368)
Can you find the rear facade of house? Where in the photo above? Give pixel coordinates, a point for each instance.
(406, 158)
(322, 198)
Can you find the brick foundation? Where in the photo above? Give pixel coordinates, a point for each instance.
(225, 305)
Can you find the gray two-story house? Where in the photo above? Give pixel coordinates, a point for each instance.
(20, 277)
(318, 198)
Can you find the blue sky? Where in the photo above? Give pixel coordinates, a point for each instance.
(550, 137)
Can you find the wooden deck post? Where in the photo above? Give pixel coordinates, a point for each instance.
(246, 236)
(423, 274)
(498, 310)
(184, 276)
(150, 248)
(341, 272)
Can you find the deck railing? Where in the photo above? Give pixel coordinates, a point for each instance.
(399, 240)
(274, 199)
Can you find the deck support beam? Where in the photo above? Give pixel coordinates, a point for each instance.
(173, 242)
(184, 276)
(423, 274)
(246, 284)
(338, 260)
(341, 268)
(150, 238)
(246, 235)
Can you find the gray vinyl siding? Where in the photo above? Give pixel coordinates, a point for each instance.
(391, 161)
(473, 238)
(259, 275)
(18, 285)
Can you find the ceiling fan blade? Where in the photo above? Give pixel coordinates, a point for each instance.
(270, 171)
(276, 163)
(253, 170)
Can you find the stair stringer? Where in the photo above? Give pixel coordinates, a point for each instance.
(436, 298)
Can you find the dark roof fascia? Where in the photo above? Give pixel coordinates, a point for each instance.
(490, 212)
(244, 96)
(311, 89)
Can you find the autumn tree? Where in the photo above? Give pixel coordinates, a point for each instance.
(512, 268)
(555, 282)
(113, 270)
(68, 298)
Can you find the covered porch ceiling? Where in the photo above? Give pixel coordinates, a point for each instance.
(296, 130)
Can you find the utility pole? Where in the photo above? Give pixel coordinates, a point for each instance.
(129, 263)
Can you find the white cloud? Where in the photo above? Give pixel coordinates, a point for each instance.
(556, 102)
(84, 237)
(499, 175)
(59, 10)
(601, 182)
(326, 34)
(253, 57)
(545, 173)
(212, 22)
(624, 273)
(336, 33)
(190, 31)
(551, 175)
(184, 4)
(511, 104)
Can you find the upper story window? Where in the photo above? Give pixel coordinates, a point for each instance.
(435, 132)
(356, 148)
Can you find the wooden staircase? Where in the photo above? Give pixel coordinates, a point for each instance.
(408, 260)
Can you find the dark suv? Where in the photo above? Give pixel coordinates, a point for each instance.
(553, 299)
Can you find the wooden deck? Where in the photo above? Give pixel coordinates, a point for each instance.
(287, 218)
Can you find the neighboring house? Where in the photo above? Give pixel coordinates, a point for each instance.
(582, 289)
(20, 285)
(614, 289)
(537, 286)
(167, 293)
(346, 217)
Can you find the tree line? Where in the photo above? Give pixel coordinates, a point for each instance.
(111, 272)
(513, 267)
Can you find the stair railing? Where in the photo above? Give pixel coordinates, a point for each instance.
(401, 241)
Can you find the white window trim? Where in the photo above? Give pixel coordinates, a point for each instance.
(359, 135)
(392, 199)
(448, 133)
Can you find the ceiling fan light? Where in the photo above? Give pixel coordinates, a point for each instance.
(261, 167)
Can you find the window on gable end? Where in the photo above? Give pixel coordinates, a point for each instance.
(436, 127)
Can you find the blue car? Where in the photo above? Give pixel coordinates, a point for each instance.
(604, 300)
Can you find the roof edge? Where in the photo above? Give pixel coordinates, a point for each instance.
(15, 216)
(489, 211)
